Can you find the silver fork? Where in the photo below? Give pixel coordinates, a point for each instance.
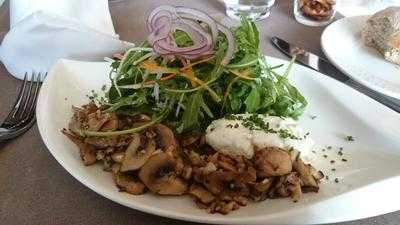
(22, 115)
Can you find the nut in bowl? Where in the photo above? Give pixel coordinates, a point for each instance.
(315, 12)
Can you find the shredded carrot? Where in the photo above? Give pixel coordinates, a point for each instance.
(196, 63)
(242, 74)
(152, 67)
(188, 70)
(168, 77)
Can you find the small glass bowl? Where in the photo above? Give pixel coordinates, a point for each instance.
(314, 12)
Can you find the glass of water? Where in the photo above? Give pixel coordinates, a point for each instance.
(253, 9)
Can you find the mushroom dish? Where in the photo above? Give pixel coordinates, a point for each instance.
(196, 110)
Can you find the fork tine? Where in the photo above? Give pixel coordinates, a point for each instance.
(35, 94)
(22, 112)
(17, 103)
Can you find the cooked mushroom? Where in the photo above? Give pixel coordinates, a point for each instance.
(264, 185)
(118, 157)
(195, 158)
(105, 142)
(272, 162)
(158, 174)
(86, 151)
(111, 124)
(134, 158)
(201, 194)
(225, 183)
(305, 174)
(97, 119)
(165, 137)
(129, 183)
(288, 185)
(190, 139)
(115, 168)
(187, 172)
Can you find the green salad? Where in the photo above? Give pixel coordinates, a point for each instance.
(187, 90)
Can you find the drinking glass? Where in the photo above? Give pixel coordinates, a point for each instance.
(253, 9)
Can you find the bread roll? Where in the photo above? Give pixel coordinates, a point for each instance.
(382, 32)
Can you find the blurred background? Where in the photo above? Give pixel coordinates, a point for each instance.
(363, 7)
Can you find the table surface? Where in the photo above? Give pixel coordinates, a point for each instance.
(35, 189)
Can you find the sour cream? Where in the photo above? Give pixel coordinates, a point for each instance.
(240, 136)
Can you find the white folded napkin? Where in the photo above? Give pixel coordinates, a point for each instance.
(42, 31)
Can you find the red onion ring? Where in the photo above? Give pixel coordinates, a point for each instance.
(164, 20)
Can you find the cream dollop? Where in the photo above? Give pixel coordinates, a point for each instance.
(238, 136)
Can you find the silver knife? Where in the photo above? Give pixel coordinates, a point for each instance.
(325, 67)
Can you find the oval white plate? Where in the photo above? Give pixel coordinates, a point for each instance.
(342, 44)
(370, 178)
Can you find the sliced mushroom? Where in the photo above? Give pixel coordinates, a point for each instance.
(264, 185)
(305, 173)
(209, 168)
(190, 139)
(115, 168)
(165, 137)
(158, 174)
(201, 194)
(129, 183)
(111, 124)
(97, 119)
(296, 192)
(289, 185)
(86, 151)
(195, 158)
(118, 157)
(134, 158)
(187, 172)
(105, 142)
(273, 162)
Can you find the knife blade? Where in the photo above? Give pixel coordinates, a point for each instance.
(323, 66)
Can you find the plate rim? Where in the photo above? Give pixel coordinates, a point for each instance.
(332, 60)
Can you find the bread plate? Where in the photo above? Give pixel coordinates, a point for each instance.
(342, 44)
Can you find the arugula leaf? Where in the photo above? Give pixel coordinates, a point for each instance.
(253, 100)
(182, 39)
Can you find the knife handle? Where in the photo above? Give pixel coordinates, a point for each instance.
(390, 102)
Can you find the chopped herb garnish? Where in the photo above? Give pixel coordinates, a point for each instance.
(333, 169)
(256, 122)
(229, 126)
(325, 156)
(313, 117)
(344, 160)
(329, 147)
(336, 180)
(332, 161)
(349, 138)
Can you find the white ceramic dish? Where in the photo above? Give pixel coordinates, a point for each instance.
(342, 44)
(368, 182)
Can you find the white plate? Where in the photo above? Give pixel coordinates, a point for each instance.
(369, 181)
(342, 44)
